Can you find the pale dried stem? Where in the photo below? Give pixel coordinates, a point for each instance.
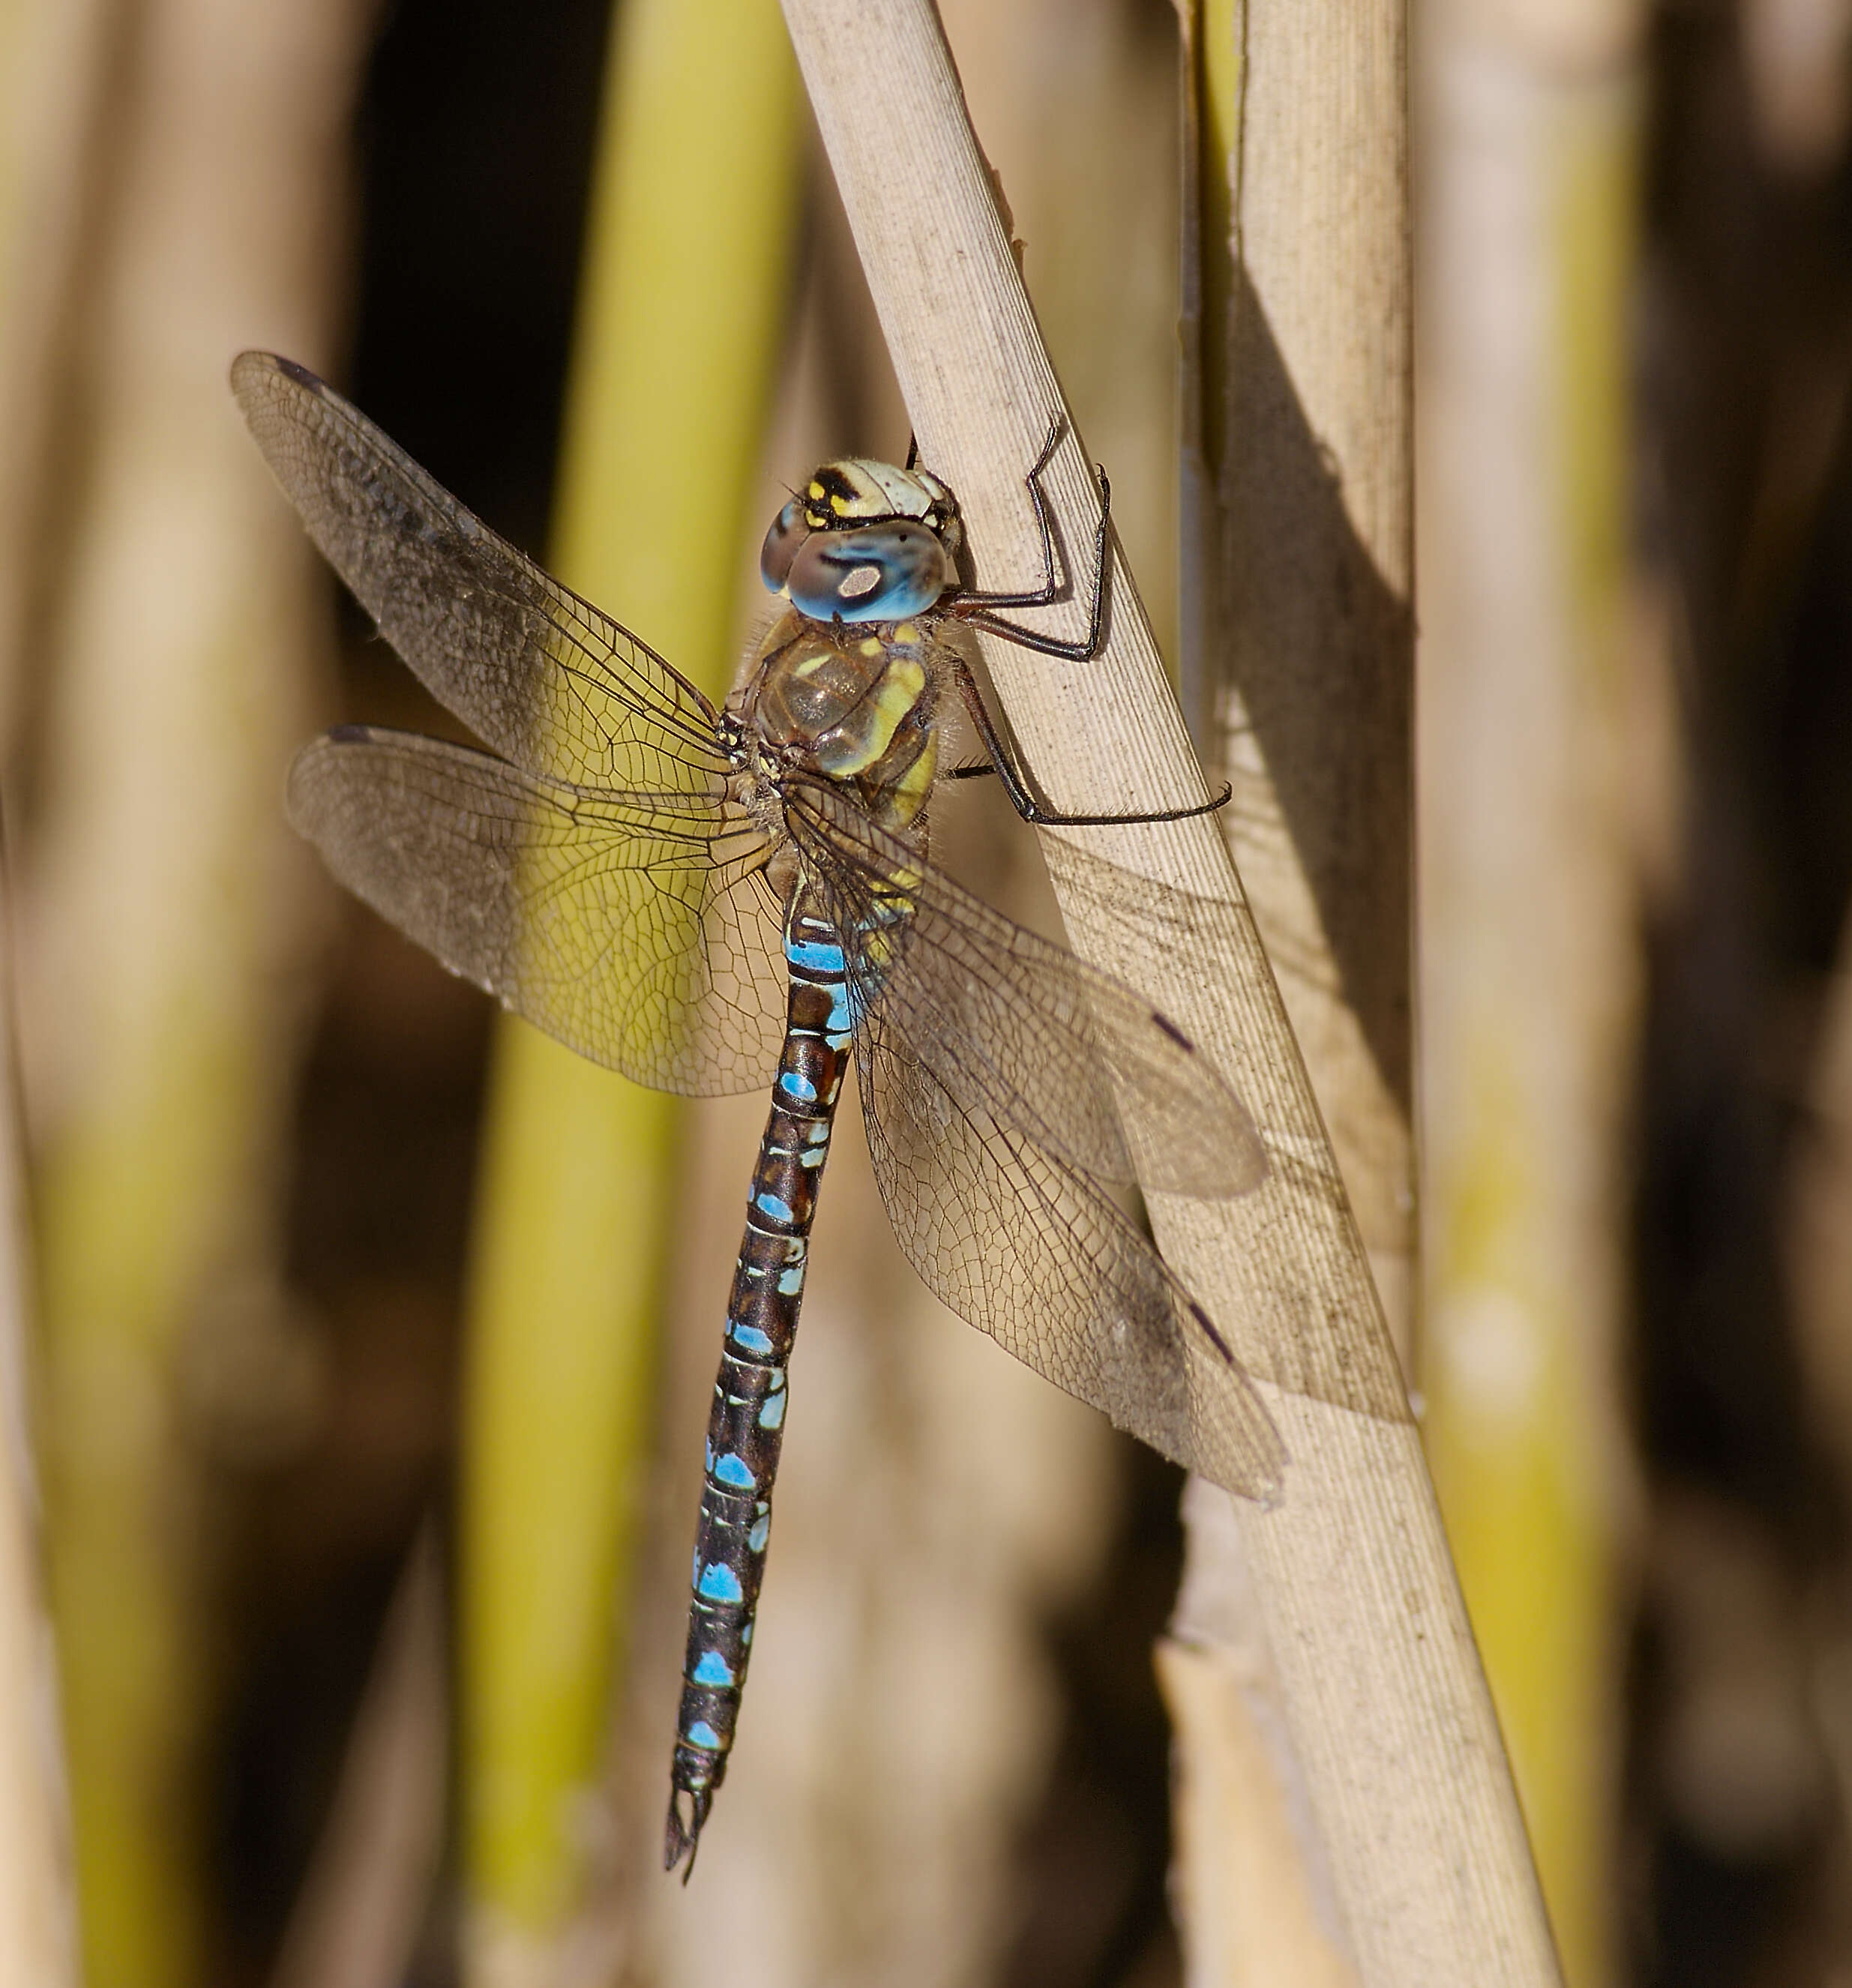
(1301, 546)
(169, 907)
(1389, 1757)
(59, 65)
(356, 1922)
(1546, 747)
(38, 1909)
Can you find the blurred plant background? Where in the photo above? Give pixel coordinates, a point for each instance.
(257, 1282)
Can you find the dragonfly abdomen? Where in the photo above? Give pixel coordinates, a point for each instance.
(746, 1424)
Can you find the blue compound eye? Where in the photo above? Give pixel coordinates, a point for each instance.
(879, 573)
(789, 531)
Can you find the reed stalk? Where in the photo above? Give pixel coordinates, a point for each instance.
(167, 895)
(686, 272)
(55, 74)
(1408, 1820)
(1298, 559)
(1533, 782)
(51, 78)
(361, 1908)
(38, 1909)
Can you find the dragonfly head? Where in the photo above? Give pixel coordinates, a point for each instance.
(864, 541)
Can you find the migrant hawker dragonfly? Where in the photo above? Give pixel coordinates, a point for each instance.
(709, 899)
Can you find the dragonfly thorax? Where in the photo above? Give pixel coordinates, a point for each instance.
(864, 541)
(845, 704)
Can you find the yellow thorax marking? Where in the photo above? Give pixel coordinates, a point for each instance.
(904, 680)
(908, 795)
(867, 733)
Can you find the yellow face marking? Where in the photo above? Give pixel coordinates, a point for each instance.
(868, 646)
(813, 491)
(906, 631)
(810, 665)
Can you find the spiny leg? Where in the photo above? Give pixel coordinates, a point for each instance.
(979, 608)
(975, 611)
(1005, 763)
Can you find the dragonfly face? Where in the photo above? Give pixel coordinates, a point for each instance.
(707, 900)
(865, 542)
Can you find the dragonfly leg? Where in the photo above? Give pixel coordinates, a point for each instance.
(979, 609)
(1007, 764)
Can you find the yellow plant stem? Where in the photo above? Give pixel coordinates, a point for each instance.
(684, 283)
(1531, 966)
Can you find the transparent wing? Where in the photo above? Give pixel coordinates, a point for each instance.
(997, 1011)
(555, 687)
(987, 1058)
(1027, 1248)
(639, 929)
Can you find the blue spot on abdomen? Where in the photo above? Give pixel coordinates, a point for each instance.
(719, 1583)
(814, 955)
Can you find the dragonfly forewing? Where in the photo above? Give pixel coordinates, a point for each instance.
(551, 683)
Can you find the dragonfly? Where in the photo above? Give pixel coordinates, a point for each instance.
(711, 898)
